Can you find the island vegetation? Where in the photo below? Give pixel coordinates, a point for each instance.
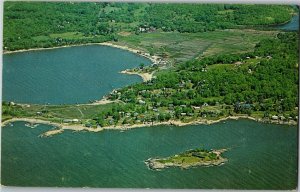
(190, 158)
(226, 66)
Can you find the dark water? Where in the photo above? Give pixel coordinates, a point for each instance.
(293, 25)
(67, 75)
(263, 156)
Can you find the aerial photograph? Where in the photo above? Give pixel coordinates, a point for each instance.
(150, 95)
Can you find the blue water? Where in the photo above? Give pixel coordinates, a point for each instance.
(262, 156)
(67, 75)
(293, 25)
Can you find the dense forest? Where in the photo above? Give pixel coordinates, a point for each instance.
(48, 24)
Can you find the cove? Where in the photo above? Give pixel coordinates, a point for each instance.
(67, 75)
(293, 25)
(261, 156)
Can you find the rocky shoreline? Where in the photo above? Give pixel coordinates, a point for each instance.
(156, 163)
(78, 127)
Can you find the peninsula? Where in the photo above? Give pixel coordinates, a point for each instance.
(196, 92)
(200, 74)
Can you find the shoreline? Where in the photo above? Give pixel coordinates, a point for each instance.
(145, 76)
(60, 127)
(156, 164)
(44, 48)
(102, 101)
(154, 59)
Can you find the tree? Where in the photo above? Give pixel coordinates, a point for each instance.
(142, 65)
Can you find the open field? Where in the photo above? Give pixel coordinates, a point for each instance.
(180, 47)
(57, 112)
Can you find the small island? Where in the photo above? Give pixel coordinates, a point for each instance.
(190, 158)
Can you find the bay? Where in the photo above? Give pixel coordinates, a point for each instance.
(67, 75)
(261, 156)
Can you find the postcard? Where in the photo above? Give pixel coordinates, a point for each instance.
(150, 95)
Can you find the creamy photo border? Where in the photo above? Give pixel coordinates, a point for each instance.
(34, 189)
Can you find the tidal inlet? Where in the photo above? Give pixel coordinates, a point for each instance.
(150, 95)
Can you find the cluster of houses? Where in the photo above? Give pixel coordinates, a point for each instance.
(256, 57)
(115, 94)
(157, 61)
(281, 118)
(148, 117)
(146, 29)
(70, 121)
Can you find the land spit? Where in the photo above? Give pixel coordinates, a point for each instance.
(145, 76)
(60, 127)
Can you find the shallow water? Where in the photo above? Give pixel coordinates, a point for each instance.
(67, 75)
(262, 156)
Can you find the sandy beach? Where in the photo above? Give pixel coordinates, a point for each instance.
(103, 101)
(154, 59)
(145, 76)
